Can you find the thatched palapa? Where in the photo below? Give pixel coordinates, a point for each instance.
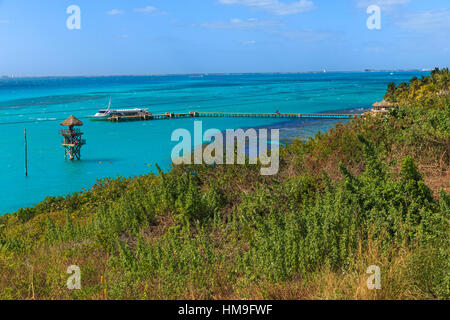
(71, 122)
(383, 104)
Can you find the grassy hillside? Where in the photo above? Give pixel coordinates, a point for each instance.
(373, 191)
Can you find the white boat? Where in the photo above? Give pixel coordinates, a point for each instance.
(107, 113)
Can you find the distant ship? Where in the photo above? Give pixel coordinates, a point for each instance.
(105, 114)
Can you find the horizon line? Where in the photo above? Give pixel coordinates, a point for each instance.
(12, 76)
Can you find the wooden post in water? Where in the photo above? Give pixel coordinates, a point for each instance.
(26, 165)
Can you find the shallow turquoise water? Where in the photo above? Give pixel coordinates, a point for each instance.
(132, 148)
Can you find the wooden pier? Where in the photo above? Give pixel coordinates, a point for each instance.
(194, 114)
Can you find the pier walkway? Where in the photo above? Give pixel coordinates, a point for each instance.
(194, 114)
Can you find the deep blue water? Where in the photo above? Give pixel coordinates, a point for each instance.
(132, 148)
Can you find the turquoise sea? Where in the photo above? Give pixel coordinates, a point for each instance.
(132, 148)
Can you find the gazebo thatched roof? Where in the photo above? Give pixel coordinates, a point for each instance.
(71, 121)
(383, 104)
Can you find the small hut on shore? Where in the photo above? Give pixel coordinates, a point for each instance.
(72, 138)
(382, 107)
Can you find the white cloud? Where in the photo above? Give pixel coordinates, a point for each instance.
(4, 21)
(148, 9)
(383, 4)
(275, 6)
(375, 49)
(249, 42)
(240, 24)
(115, 11)
(426, 21)
(303, 35)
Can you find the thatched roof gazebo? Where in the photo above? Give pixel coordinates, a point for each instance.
(382, 107)
(72, 138)
(383, 104)
(71, 122)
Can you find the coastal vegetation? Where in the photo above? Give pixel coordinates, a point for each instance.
(372, 191)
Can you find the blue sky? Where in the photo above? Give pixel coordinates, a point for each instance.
(206, 36)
